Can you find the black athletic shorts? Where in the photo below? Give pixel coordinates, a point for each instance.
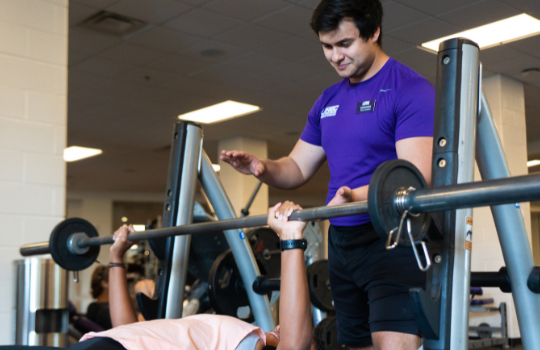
(370, 285)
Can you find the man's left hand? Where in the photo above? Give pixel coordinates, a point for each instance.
(343, 195)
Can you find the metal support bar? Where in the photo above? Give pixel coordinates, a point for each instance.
(511, 230)
(243, 255)
(186, 200)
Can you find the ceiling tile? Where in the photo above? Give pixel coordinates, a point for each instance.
(468, 17)
(415, 57)
(497, 54)
(165, 39)
(319, 62)
(251, 37)
(132, 54)
(254, 62)
(294, 72)
(88, 42)
(310, 4)
(397, 15)
(434, 7)
(246, 10)
(221, 75)
(99, 4)
(226, 52)
(78, 13)
(102, 67)
(392, 46)
(529, 45)
(178, 64)
(523, 5)
(76, 57)
(293, 49)
(80, 81)
(203, 23)
(293, 20)
(514, 65)
(424, 31)
(145, 76)
(155, 11)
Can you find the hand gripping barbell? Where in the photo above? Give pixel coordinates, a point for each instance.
(397, 190)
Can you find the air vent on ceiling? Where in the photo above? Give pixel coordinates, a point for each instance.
(113, 23)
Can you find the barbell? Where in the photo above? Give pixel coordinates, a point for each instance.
(397, 189)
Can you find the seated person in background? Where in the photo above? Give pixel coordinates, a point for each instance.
(210, 331)
(145, 287)
(98, 311)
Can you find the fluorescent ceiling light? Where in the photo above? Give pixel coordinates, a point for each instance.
(221, 111)
(139, 227)
(74, 153)
(496, 33)
(531, 163)
(216, 167)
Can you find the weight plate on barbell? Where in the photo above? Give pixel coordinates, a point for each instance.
(266, 239)
(58, 244)
(320, 293)
(226, 289)
(325, 335)
(389, 177)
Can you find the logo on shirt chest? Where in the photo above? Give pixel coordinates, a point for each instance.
(366, 106)
(329, 111)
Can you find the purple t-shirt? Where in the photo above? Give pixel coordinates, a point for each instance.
(358, 125)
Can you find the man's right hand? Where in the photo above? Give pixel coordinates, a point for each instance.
(243, 162)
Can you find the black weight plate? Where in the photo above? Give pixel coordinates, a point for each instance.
(226, 288)
(320, 293)
(389, 177)
(58, 244)
(266, 239)
(484, 334)
(325, 335)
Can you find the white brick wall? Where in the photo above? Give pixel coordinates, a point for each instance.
(33, 120)
(507, 104)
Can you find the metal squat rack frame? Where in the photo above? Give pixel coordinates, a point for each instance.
(464, 126)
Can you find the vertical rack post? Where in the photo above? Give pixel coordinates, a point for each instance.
(173, 252)
(442, 308)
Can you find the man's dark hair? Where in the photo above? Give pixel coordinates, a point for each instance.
(268, 347)
(366, 15)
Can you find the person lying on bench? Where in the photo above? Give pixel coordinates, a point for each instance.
(206, 331)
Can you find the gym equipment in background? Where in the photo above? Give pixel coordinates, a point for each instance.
(42, 311)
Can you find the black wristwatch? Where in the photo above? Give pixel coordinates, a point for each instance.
(293, 244)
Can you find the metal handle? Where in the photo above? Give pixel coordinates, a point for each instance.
(424, 247)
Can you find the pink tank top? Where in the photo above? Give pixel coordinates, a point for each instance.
(208, 332)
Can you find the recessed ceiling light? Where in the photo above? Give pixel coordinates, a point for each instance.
(496, 33)
(74, 153)
(220, 112)
(531, 163)
(139, 227)
(216, 167)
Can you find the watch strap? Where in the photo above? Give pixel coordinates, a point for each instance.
(293, 244)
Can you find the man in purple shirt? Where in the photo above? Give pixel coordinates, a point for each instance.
(381, 110)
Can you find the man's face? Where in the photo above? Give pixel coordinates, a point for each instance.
(347, 51)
